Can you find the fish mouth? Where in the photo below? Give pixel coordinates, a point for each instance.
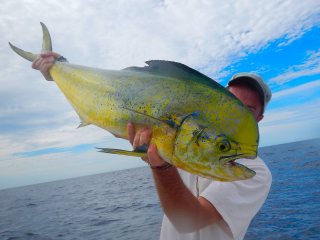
(230, 159)
(235, 171)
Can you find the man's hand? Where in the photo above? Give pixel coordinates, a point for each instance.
(141, 137)
(43, 63)
(187, 212)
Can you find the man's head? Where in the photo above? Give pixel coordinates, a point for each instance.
(252, 91)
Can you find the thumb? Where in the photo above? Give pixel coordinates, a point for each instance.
(154, 159)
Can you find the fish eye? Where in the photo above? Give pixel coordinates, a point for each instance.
(224, 145)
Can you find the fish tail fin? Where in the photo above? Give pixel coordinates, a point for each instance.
(26, 55)
(122, 152)
(46, 42)
(46, 45)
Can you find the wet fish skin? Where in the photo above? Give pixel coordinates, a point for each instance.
(197, 124)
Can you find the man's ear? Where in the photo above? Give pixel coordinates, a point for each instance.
(259, 118)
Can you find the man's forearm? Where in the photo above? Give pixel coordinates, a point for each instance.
(184, 210)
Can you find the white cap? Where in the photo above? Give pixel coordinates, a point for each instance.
(256, 81)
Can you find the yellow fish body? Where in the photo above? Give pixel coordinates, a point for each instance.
(198, 125)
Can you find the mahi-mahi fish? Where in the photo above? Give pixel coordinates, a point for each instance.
(197, 124)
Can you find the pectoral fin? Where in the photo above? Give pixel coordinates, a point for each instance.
(140, 151)
(83, 124)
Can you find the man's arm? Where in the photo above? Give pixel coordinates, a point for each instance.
(186, 212)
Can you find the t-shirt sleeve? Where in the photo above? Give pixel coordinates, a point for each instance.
(238, 202)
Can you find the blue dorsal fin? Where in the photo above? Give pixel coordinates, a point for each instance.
(176, 70)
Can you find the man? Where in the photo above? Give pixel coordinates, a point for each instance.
(195, 207)
(198, 208)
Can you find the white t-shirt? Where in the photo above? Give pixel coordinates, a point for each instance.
(237, 202)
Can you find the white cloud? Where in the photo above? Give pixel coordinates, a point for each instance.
(64, 137)
(55, 166)
(310, 67)
(301, 89)
(120, 33)
(206, 35)
(296, 113)
(291, 123)
(283, 132)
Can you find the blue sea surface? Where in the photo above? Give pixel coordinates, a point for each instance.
(124, 204)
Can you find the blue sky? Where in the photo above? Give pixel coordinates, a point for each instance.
(40, 142)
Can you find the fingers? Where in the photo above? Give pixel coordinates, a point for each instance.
(131, 132)
(36, 62)
(154, 159)
(50, 54)
(143, 136)
(45, 70)
(40, 62)
(46, 63)
(153, 152)
(43, 62)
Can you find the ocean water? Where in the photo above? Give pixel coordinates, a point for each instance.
(124, 204)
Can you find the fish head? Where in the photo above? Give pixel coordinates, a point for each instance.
(208, 152)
